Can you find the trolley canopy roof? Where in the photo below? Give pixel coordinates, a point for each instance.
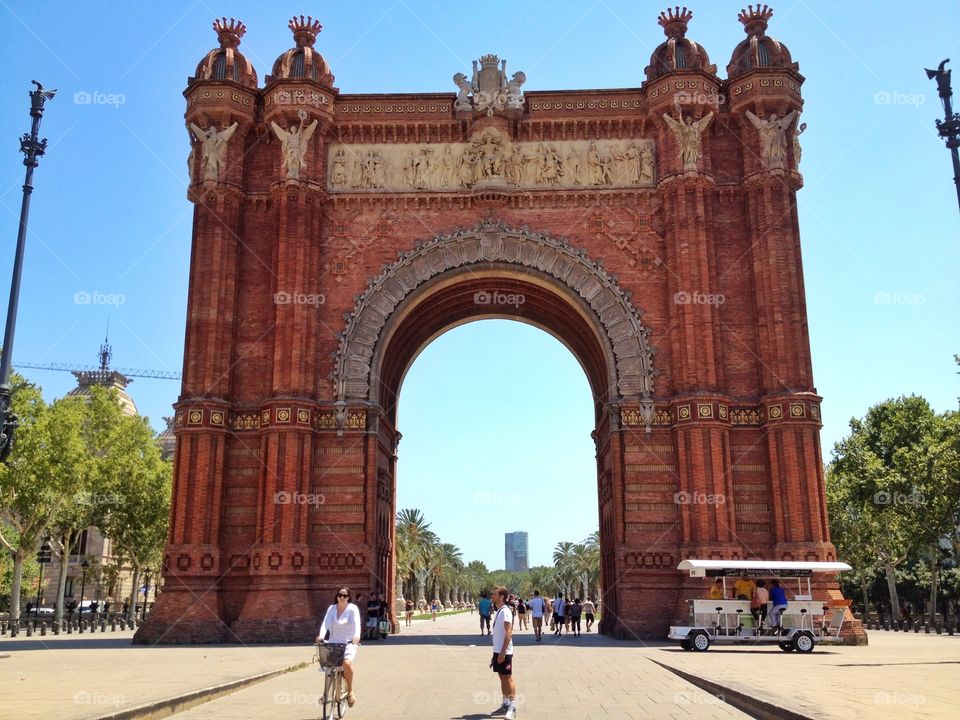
(758, 568)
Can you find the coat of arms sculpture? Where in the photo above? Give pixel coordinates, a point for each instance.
(489, 90)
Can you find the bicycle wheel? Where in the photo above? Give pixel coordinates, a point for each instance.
(341, 696)
(327, 703)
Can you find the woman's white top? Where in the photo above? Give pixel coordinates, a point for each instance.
(342, 629)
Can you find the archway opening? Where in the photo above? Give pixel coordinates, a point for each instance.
(497, 419)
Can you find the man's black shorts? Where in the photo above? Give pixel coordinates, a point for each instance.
(506, 668)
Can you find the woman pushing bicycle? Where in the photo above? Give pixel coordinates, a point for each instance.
(342, 621)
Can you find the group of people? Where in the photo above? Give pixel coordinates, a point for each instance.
(563, 614)
(759, 596)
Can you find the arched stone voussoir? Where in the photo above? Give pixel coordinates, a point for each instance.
(493, 241)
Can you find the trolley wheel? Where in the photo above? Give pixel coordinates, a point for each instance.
(786, 646)
(700, 641)
(686, 645)
(803, 641)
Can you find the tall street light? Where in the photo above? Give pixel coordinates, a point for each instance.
(949, 127)
(83, 587)
(32, 148)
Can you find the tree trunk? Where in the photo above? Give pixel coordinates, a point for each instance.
(866, 598)
(134, 593)
(892, 587)
(15, 582)
(66, 540)
(932, 605)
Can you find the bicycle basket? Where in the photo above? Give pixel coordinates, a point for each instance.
(330, 655)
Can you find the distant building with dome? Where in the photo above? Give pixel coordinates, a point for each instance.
(102, 584)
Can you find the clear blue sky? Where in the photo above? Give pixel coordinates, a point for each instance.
(878, 215)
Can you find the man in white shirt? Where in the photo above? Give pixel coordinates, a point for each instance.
(502, 662)
(559, 610)
(538, 608)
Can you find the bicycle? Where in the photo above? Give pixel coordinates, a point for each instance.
(330, 657)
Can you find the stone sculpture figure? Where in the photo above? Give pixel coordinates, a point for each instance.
(338, 174)
(293, 143)
(573, 166)
(631, 164)
(598, 165)
(687, 133)
(797, 150)
(514, 96)
(446, 168)
(646, 166)
(773, 137)
(213, 149)
(463, 101)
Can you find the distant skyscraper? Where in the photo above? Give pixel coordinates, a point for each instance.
(515, 551)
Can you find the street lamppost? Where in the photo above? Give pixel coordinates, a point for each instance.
(83, 586)
(32, 148)
(949, 127)
(44, 556)
(146, 589)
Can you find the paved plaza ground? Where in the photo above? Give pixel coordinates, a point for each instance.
(439, 670)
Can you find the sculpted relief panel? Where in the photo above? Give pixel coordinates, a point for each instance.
(491, 160)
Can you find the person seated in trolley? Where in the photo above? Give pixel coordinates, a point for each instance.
(716, 591)
(743, 588)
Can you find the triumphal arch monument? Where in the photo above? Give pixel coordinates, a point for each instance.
(652, 229)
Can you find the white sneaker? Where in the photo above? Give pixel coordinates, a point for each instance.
(511, 713)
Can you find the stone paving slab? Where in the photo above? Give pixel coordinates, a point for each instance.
(439, 670)
(898, 675)
(79, 677)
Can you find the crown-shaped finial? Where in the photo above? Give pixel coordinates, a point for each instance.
(305, 30)
(229, 33)
(674, 21)
(755, 20)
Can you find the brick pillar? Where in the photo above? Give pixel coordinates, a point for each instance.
(701, 433)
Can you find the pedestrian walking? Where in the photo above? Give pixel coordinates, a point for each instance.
(502, 661)
(589, 612)
(521, 614)
(408, 608)
(559, 607)
(575, 609)
(483, 607)
(538, 608)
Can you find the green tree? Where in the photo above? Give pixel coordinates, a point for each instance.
(889, 485)
(40, 476)
(138, 484)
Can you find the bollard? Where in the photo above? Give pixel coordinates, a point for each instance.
(56, 628)
(43, 629)
(14, 630)
(123, 623)
(69, 628)
(113, 624)
(3, 628)
(29, 629)
(93, 626)
(926, 628)
(103, 626)
(939, 629)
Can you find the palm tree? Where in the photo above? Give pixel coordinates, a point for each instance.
(562, 561)
(415, 542)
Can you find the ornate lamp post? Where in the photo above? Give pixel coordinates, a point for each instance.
(32, 148)
(83, 587)
(146, 589)
(949, 127)
(44, 556)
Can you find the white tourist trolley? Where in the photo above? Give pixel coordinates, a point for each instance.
(804, 623)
